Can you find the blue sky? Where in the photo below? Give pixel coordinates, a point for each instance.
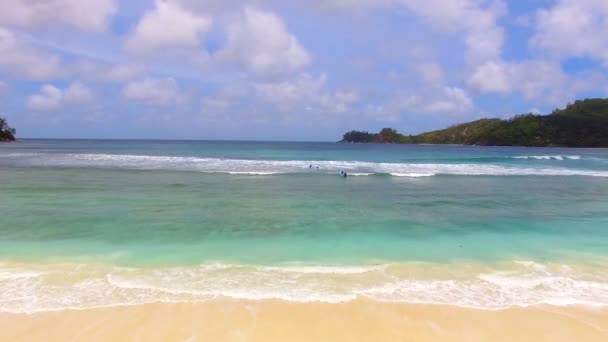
(297, 70)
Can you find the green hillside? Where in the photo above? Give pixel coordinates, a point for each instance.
(583, 123)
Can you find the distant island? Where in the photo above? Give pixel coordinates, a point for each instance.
(583, 123)
(6, 132)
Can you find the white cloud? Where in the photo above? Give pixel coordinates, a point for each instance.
(574, 28)
(98, 72)
(455, 100)
(77, 93)
(87, 15)
(354, 4)
(260, 41)
(168, 25)
(305, 92)
(452, 101)
(287, 94)
(569, 28)
(51, 97)
(491, 77)
(153, 91)
(476, 21)
(19, 60)
(540, 81)
(431, 73)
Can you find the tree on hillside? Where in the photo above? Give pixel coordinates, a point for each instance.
(389, 135)
(7, 133)
(358, 137)
(583, 123)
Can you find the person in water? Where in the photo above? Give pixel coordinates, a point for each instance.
(343, 173)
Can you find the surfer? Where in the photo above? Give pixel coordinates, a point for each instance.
(343, 173)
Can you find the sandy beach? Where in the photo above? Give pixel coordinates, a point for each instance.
(360, 320)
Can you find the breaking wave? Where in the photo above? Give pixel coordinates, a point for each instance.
(273, 167)
(549, 157)
(35, 288)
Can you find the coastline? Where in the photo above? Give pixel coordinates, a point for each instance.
(122, 241)
(471, 145)
(274, 320)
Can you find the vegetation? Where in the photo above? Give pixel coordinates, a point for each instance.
(583, 123)
(6, 133)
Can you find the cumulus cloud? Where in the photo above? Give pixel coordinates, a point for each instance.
(20, 60)
(289, 93)
(77, 93)
(86, 15)
(260, 41)
(49, 98)
(452, 101)
(475, 20)
(574, 28)
(455, 100)
(168, 25)
(476, 24)
(153, 91)
(305, 92)
(568, 28)
(492, 77)
(540, 81)
(52, 97)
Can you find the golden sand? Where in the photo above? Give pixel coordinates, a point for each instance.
(361, 320)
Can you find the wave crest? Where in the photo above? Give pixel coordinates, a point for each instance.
(273, 167)
(35, 288)
(549, 157)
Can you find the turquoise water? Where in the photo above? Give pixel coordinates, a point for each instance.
(157, 220)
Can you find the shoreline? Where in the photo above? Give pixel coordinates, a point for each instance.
(275, 320)
(300, 141)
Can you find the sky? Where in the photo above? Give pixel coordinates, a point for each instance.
(291, 70)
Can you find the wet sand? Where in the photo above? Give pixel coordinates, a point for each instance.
(361, 320)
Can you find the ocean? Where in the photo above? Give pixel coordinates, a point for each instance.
(98, 223)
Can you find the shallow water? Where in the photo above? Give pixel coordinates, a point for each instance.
(94, 223)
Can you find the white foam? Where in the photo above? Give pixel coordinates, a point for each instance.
(523, 283)
(413, 175)
(549, 157)
(254, 173)
(270, 167)
(16, 274)
(324, 269)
